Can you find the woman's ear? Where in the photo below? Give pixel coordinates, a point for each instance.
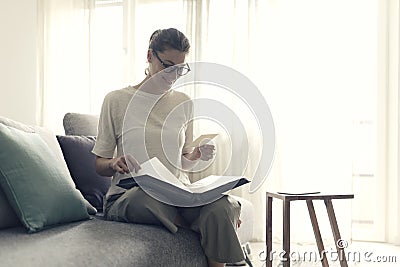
(149, 55)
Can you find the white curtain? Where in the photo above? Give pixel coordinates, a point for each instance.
(310, 60)
(64, 58)
(81, 56)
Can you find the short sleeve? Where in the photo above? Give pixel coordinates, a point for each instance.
(189, 129)
(106, 141)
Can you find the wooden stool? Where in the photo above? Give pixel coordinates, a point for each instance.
(287, 198)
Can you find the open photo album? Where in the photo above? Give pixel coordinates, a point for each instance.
(156, 180)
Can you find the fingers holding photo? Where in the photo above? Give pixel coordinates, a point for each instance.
(207, 152)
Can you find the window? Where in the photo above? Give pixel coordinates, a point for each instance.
(107, 64)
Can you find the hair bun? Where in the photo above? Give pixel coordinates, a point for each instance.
(169, 38)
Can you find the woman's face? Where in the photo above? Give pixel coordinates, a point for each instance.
(159, 62)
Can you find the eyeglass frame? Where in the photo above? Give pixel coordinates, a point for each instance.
(168, 68)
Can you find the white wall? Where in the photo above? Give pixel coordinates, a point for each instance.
(18, 70)
(393, 168)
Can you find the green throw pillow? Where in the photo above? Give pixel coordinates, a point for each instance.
(37, 189)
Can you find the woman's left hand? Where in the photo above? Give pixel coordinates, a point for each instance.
(204, 152)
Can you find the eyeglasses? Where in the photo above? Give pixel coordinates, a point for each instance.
(181, 69)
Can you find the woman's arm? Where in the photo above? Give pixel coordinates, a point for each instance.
(103, 166)
(190, 160)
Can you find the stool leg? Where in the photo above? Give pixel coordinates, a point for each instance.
(335, 231)
(286, 233)
(269, 232)
(317, 233)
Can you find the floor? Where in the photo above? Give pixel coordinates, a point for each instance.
(358, 254)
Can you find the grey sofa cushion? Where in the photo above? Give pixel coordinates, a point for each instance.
(80, 124)
(101, 243)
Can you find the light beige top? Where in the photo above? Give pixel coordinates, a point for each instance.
(145, 125)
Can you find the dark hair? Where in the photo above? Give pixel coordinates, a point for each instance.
(170, 38)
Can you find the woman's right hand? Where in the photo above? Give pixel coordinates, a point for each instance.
(124, 164)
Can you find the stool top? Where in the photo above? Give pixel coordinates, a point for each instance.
(308, 196)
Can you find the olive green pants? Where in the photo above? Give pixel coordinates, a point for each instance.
(216, 222)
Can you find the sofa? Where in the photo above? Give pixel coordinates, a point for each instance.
(30, 236)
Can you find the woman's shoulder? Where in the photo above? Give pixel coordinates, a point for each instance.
(183, 100)
(117, 94)
(180, 96)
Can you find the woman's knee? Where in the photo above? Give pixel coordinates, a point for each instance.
(225, 207)
(138, 201)
(139, 204)
(131, 203)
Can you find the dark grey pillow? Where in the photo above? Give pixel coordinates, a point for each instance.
(80, 124)
(80, 160)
